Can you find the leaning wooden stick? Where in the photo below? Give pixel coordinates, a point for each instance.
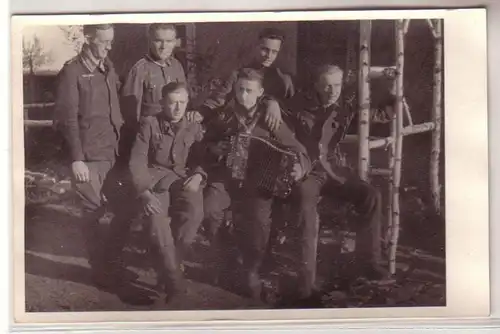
(433, 27)
(364, 99)
(396, 180)
(407, 111)
(436, 117)
(390, 165)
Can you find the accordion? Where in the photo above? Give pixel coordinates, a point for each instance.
(261, 163)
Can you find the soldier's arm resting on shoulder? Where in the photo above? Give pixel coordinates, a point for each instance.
(287, 137)
(290, 88)
(138, 163)
(131, 93)
(66, 116)
(273, 116)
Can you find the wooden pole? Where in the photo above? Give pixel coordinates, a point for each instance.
(364, 99)
(390, 189)
(436, 116)
(398, 150)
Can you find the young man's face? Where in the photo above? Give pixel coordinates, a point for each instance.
(268, 50)
(162, 43)
(329, 86)
(247, 92)
(100, 44)
(174, 104)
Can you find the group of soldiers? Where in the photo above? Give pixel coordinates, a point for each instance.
(145, 134)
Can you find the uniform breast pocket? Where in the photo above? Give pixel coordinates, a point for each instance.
(188, 141)
(151, 94)
(156, 140)
(85, 92)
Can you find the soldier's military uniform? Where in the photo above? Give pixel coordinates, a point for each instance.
(276, 84)
(315, 125)
(141, 91)
(163, 156)
(88, 115)
(253, 229)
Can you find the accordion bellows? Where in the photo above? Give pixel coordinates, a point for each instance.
(262, 163)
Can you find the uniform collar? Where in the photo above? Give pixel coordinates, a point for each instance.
(90, 61)
(241, 110)
(167, 63)
(169, 127)
(312, 102)
(257, 66)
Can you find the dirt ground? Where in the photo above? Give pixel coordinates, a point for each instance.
(58, 275)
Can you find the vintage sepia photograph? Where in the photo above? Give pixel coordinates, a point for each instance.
(245, 165)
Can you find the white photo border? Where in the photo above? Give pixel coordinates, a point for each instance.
(467, 226)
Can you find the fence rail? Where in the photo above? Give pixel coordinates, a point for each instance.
(30, 123)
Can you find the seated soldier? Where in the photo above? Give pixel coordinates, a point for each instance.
(169, 182)
(321, 124)
(245, 113)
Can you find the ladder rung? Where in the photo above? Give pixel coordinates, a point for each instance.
(418, 128)
(381, 171)
(388, 72)
(380, 142)
(349, 139)
(38, 105)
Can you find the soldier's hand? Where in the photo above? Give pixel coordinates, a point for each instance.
(194, 116)
(220, 148)
(152, 205)
(298, 172)
(273, 117)
(193, 182)
(80, 171)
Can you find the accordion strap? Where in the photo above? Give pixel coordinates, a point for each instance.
(248, 128)
(267, 142)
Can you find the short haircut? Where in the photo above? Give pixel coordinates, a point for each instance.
(251, 75)
(272, 33)
(153, 27)
(326, 69)
(173, 87)
(91, 29)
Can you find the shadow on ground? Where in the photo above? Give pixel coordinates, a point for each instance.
(56, 265)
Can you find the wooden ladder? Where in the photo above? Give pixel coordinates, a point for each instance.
(394, 142)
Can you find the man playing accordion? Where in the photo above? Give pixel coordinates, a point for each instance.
(247, 161)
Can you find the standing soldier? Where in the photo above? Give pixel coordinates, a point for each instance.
(141, 92)
(276, 83)
(88, 115)
(321, 124)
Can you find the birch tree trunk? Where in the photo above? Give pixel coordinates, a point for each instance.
(364, 99)
(398, 143)
(436, 116)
